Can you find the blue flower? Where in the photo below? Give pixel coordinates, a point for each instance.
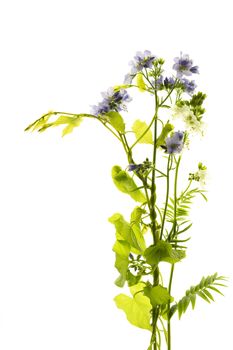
(112, 101)
(158, 83)
(169, 82)
(128, 78)
(134, 167)
(189, 86)
(184, 66)
(142, 60)
(175, 143)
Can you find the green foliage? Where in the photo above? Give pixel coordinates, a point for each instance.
(126, 184)
(140, 82)
(202, 290)
(163, 251)
(130, 233)
(164, 133)
(183, 206)
(158, 295)
(139, 127)
(43, 123)
(116, 120)
(122, 250)
(137, 308)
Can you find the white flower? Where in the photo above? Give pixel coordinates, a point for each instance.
(192, 124)
(180, 112)
(202, 174)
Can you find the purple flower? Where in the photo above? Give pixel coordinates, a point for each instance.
(128, 78)
(189, 86)
(158, 83)
(169, 82)
(134, 167)
(112, 101)
(142, 60)
(184, 66)
(175, 143)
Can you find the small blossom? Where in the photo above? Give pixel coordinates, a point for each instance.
(112, 101)
(192, 123)
(175, 143)
(142, 60)
(180, 112)
(158, 83)
(184, 66)
(134, 167)
(169, 82)
(201, 175)
(189, 86)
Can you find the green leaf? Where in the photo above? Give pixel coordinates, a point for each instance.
(126, 184)
(122, 250)
(164, 133)
(116, 120)
(136, 308)
(163, 251)
(139, 127)
(140, 82)
(136, 215)
(39, 123)
(201, 290)
(132, 279)
(135, 225)
(158, 295)
(128, 234)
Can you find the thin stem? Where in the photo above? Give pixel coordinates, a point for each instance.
(173, 265)
(155, 310)
(148, 128)
(167, 197)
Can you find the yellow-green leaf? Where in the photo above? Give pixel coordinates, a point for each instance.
(122, 250)
(158, 295)
(126, 231)
(164, 133)
(139, 128)
(140, 82)
(126, 184)
(116, 120)
(136, 308)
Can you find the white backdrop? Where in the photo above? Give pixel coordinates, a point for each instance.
(56, 263)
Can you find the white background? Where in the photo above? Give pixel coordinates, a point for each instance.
(56, 263)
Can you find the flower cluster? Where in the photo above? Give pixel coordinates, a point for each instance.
(188, 86)
(175, 143)
(112, 101)
(184, 66)
(200, 175)
(192, 123)
(141, 60)
(141, 167)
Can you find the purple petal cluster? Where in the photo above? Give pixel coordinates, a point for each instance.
(112, 101)
(175, 143)
(141, 60)
(184, 66)
(158, 83)
(134, 167)
(189, 86)
(169, 82)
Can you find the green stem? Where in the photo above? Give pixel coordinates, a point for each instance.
(148, 128)
(173, 266)
(167, 197)
(155, 310)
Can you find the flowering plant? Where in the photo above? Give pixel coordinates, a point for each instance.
(156, 233)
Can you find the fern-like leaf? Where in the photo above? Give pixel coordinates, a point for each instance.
(202, 290)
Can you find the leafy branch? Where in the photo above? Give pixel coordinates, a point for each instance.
(203, 290)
